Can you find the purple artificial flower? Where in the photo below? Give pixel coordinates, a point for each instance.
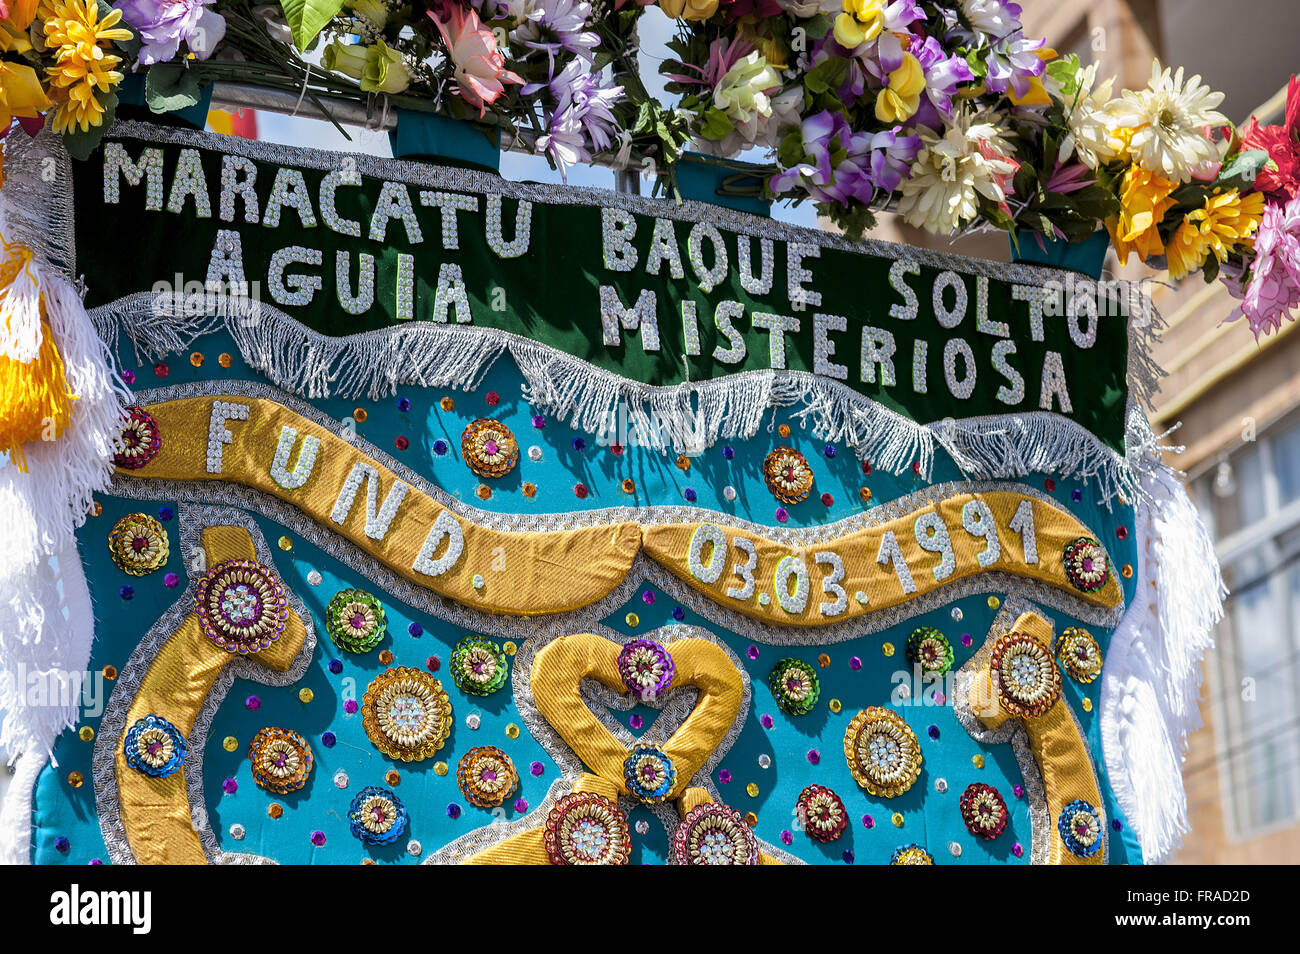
(1273, 290)
(1012, 62)
(891, 158)
(582, 122)
(873, 161)
(943, 74)
(823, 133)
(163, 24)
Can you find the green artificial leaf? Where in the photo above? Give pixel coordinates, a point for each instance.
(306, 18)
(817, 27)
(1065, 70)
(169, 87)
(715, 125)
(1211, 269)
(790, 152)
(977, 65)
(81, 144)
(827, 75)
(1240, 171)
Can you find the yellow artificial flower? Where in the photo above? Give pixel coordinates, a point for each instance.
(1036, 95)
(78, 38)
(861, 22)
(772, 51)
(1144, 200)
(689, 9)
(21, 96)
(899, 100)
(13, 28)
(1226, 221)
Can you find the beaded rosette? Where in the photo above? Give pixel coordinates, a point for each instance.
(883, 753)
(1080, 826)
(355, 621)
(788, 475)
(154, 747)
(649, 774)
(928, 648)
(140, 441)
(911, 855)
(714, 834)
(646, 668)
(241, 606)
(486, 776)
(1027, 680)
(489, 448)
(584, 828)
(1086, 565)
(376, 816)
(794, 685)
(983, 810)
(478, 666)
(821, 813)
(406, 714)
(1079, 654)
(281, 760)
(138, 544)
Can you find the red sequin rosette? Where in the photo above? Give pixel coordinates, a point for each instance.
(713, 834)
(140, 441)
(821, 813)
(587, 829)
(984, 811)
(1025, 675)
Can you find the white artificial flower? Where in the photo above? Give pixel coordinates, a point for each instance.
(994, 18)
(952, 171)
(1090, 124)
(762, 131)
(1168, 119)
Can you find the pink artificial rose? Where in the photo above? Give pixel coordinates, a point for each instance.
(480, 66)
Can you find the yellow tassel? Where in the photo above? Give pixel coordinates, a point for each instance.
(34, 399)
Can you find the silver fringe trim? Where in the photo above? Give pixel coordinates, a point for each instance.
(297, 358)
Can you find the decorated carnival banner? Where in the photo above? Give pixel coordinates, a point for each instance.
(456, 520)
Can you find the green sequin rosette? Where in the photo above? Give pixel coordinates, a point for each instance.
(479, 666)
(794, 686)
(355, 621)
(928, 648)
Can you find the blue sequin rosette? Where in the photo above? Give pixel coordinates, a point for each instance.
(1080, 828)
(376, 816)
(154, 747)
(649, 774)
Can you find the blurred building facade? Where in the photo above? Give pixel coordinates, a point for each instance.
(1239, 404)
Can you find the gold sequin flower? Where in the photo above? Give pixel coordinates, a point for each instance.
(1079, 654)
(139, 544)
(587, 829)
(1025, 676)
(883, 753)
(489, 448)
(713, 834)
(788, 475)
(282, 760)
(406, 714)
(486, 776)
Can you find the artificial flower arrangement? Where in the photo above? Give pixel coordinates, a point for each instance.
(945, 112)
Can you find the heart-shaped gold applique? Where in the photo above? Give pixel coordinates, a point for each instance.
(561, 665)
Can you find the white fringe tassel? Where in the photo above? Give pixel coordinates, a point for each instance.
(46, 621)
(1152, 674)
